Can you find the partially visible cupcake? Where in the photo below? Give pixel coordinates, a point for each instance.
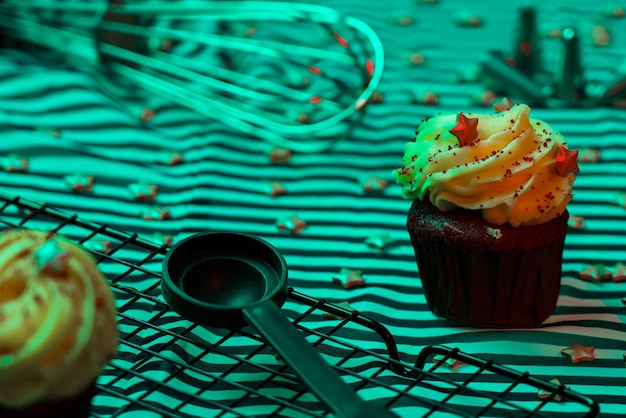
(57, 326)
(489, 216)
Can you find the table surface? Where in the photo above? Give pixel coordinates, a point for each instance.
(55, 118)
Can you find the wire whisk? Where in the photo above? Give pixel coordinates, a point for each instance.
(293, 74)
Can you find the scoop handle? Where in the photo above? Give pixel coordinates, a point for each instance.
(310, 367)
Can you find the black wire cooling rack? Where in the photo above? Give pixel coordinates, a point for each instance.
(170, 367)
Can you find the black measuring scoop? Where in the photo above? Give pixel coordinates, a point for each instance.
(228, 280)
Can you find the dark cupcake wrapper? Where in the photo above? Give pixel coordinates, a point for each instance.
(512, 289)
(77, 406)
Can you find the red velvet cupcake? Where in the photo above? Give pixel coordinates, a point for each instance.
(57, 326)
(489, 215)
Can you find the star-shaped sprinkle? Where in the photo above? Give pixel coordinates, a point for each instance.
(589, 155)
(275, 189)
(453, 363)
(15, 163)
(578, 352)
(380, 241)
(102, 246)
(466, 130)
(485, 97)
(162, 238)
(349, 279)
(51, 258)
(620, 273)
(154, 213)
(280, 155)
(345, 305)
(291, 223)
(375, 184)
(504, 105)
(143, 191)
(576, 222)
(566, 161)
(595, 273)
(620, 200)
(171, 157)
(545, 394)
(147, 115)
(79, 182)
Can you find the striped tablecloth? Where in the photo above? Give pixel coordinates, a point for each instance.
(58, 133)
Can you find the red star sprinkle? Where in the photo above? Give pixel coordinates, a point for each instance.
(578, 352)
(466, 130)
(275, 189)
(589, 155)
(155, 213)
(162, 238)
(79, 182)
(349, 278)
(51, 258)
(620, 273)
(143, 191)
(101, 246)
(576, 222)
(291, 223)
(14, 163)
(375, 184)
(486, 97)
(504, 105)
(169, 157)
(147, 115)
(595, 273)
(380, 241)
(452, 363)
(545, 394)
(345, 305)
(280, 155)
(566, 161)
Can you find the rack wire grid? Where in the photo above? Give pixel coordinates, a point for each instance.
(170, 367)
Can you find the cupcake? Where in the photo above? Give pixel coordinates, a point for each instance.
(488, 217)
(57, 326)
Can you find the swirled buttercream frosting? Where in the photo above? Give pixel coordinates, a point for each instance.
(57, 319)
(512, 168)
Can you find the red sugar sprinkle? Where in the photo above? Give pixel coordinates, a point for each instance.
(314, 70)
(315, 99)
(341, 40)
(369, 67)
